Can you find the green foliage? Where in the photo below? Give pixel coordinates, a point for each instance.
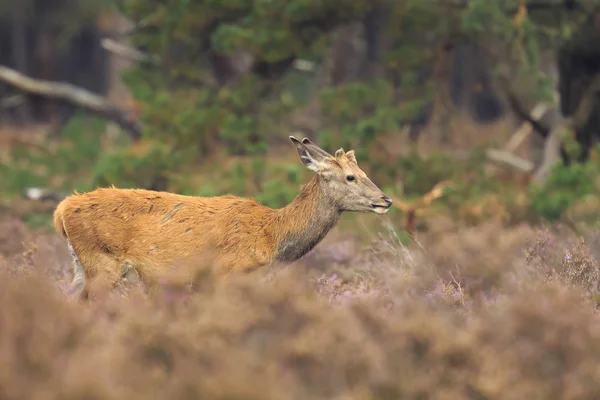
(67, 165)
(17, 177)
(186, 106)
(271, 185)
(487, 17)
(183, 104)
(124, 168)
(419, 175)
(194, 104)
(564, 186)
(355, 114)
(80, 162)
(518, 37)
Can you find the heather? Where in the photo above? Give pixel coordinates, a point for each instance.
(488, 312)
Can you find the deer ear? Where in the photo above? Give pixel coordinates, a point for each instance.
(310, 160)
(351, 156)
(314, 148)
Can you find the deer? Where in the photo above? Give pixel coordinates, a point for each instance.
(111, 231)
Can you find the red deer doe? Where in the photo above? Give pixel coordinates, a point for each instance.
(111, 231)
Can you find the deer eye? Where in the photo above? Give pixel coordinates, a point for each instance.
(349, 178)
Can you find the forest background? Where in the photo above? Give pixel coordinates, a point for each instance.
(426, 92)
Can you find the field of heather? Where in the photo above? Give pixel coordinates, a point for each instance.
(486, 312)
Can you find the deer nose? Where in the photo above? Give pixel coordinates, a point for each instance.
(387, 200)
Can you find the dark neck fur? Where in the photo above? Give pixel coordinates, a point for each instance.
(304, 222)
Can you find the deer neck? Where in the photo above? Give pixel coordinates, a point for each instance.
(303, 223)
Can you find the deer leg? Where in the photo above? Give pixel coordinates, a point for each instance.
(107, 278)
(130, 275)
(77, 287)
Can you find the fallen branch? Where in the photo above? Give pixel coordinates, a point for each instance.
(417, 207)
(520, 111)
(526, 128)
(505, 155)
(12, 101)
(510, 159)
(74, 95)
(127, 52)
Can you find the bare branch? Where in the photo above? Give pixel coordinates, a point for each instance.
(505, 155)
(521, 134)
(419, 207)
(127, 52)
(510, 159)
(521, 112)
(12, 101)
(552, 150)
(74, 95)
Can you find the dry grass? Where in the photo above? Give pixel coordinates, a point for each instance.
(482, 313)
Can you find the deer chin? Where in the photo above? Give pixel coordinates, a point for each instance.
(380, 209)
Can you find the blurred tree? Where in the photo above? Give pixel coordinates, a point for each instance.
(220, 60)
(52, 40)
(228, 73)
(224, 58)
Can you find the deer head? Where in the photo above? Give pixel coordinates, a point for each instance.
(342, 180)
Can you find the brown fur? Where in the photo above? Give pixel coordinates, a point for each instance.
(112, 230)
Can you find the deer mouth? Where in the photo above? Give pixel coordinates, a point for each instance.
(380, 208)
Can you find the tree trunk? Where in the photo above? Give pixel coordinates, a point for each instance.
(45, 58)
(376, 42)
(19, 51)
(114, 26)
(545, 152)
(348, 52)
